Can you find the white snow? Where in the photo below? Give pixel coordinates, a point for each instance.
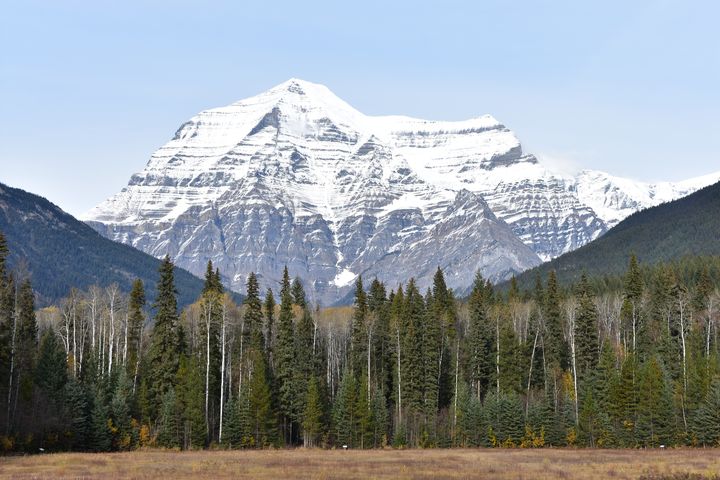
(344, 278)
(316, 163)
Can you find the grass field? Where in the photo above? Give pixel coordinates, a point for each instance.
(380, 464)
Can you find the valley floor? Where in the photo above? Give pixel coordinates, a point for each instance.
(381, 464)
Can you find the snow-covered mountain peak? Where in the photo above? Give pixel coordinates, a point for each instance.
(297, 176)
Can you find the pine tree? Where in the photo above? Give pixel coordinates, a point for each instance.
(136, 321)
(556, 349)
(269, 307)
(379, 418)
(412, 362)
(190, 402)
(586, 332)
(444, 311)
(254, 314)
(232, 424)
(313, 414)
(511, 360)
(655, 409)
(432, 346)
(168, 432)
(209, 346)
(120, 412)
(51, 369)
(479, 343)
(262, 418)
(78, 408)
(298, 293)
(707, 420)
(633, 284)
(304, 358)
(101, 435)
(363, 415)
(285, 361)
(343, 414)
(165, 341)
(358, 343)
(381, 354)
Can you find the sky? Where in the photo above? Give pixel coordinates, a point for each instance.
(88, 90)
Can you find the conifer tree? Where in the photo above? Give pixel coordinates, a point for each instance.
(479, 342)
(190, 402)
(556, 349)
(304, 358)
(379, 418)
(165, 342)
(707, 420)
(262, 419)
(363, 415)
(51, 369)
(412, 364)
(633, 296)
(120, 412)
(254, 314)
(511, 360)
(101, 434)
(343, 414)
(655, 409)
(381, 354)
(586, 332)
(432, 349)
(285, 361)
(358, 344)
(298, 293)
(313, 414)
(136, 321)
(269, 309)
(167, 425)
(78, 408)
(232, 424)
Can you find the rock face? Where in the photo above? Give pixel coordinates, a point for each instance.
(297, 177)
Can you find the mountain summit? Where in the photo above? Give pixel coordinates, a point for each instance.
(295, 176)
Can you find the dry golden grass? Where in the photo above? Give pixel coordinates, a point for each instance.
(378, 464)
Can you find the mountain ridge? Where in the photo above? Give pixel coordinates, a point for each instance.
(297, 176)
(62, 252)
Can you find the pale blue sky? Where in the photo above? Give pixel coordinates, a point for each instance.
(89, 89)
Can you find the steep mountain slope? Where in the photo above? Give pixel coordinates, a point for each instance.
(296, 176)
(61, 252)
(688, 226)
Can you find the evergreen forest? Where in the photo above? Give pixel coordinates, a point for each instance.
(626, 361)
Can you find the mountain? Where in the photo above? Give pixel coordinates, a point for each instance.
(684, 227)
(295, 176)
(61, 252)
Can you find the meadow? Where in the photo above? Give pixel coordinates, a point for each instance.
(499, 464)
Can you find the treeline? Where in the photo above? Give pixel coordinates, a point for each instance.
(637, 365)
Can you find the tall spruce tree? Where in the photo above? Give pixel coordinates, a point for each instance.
(165, 341)
(587, 342)
(479, 341)
(359, 330)
(285, 361)
(136, 321)
(254, 314)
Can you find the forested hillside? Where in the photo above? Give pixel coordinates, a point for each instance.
(631, 362)
(689, 226)
(60, 252)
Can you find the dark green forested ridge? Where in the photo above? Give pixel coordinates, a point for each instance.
(689, 226)
(631, 360)
(61, 252)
